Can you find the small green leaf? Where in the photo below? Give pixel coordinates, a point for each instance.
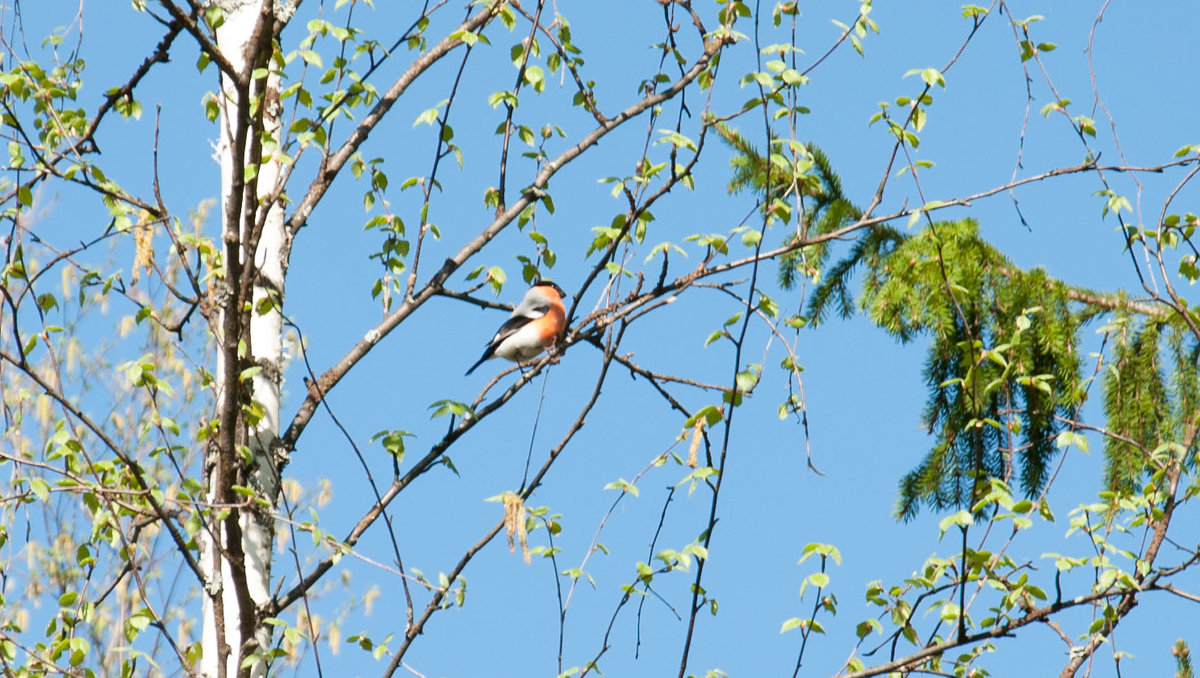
(623, 485)
(40, 488)
(962, 519)
(535, 77)
(794, 622)
(393, 442)
(864, 628)
(428, 117)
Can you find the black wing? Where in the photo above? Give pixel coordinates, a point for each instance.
(509, 328)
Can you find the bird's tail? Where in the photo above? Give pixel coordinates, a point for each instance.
(477, 364)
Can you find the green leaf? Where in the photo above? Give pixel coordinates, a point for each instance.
(1068, 438)
(502, 97)
(962, 519)
(1188, 268)
(864, 628)
(711, 414)
(824, 550)
(623, 485)
(693, 478)
(393, 442)
(535, 77)
(468, 38)
(428, 117)
(47, 302)
(675, 139)
(40, 488)
(793, 623)
(311, 58)
(496, 277)
(211, 108)
(214, 16)
(443, 407)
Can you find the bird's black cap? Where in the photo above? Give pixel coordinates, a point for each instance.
(546, 283)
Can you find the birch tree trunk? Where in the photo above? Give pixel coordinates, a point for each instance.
(245, 451)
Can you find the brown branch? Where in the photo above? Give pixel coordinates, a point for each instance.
(188, 21)
(1040, 614)
(474, 301)
(160, 55)
(1116, 303)
(1170, 588)
(634, 368)
(332, 165)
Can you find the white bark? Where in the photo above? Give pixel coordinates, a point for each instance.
(265, 335)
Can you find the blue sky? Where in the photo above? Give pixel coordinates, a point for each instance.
(865, 393)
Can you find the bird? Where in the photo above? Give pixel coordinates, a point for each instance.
(535, 325)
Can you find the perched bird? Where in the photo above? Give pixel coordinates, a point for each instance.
(534, 326)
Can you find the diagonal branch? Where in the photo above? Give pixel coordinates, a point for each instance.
(333, 164)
